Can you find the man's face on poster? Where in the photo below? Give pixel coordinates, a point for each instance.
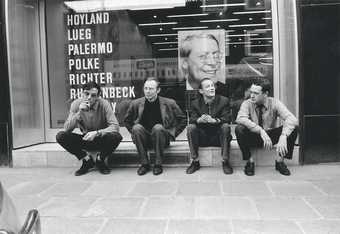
(203, 61)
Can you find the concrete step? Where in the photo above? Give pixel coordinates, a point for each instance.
(53, 155)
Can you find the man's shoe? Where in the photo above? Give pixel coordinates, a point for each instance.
(85, 167)
(157, 169)
(143, 169)
(227, 169)
(249, 169)
(282, 168)
(102, 167)
(194, 166)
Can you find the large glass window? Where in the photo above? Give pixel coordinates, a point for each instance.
(119, 46)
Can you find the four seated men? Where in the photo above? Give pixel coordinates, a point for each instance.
(154, 121)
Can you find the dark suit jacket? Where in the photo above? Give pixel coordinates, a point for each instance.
(174, 121)
(219, 109)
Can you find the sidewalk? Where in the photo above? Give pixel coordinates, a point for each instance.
(307, 202)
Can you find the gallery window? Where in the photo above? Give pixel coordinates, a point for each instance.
(178, 41)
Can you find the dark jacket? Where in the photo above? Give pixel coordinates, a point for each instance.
(219, 109)
(174, 121)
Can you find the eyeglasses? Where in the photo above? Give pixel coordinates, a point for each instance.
(92, 95)
(215, 56)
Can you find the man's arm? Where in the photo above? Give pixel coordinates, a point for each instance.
(194, 114)
(112, 122)
(128, 119)
(225, 116)
(243, 117)
(290, 121)
(181, 119)
(73, 118)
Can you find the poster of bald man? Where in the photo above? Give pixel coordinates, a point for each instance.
(201, 55)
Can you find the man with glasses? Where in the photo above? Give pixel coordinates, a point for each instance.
(153, 121)
(201, 58)
(94, 117)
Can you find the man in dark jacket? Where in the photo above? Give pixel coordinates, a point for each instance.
(153, 121)
(209, 125)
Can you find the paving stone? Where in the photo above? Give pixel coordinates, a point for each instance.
(199, 226)
(115, 207)
(263, 173)
(178, 174)
(66, 206)
(154, 189)
(24, 204)
(67, 189)
(290, 188)
(199, 189)
(328, 207)
(331, 187)
(135, 226)
(61, 225)
(321, 227)
(30, 188)
(108, 189)
(284, 208)
(226, 208)
(216, 174)
(245, 188)
(169, 207)
(265, 227)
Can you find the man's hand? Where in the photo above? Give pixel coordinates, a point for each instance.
(202, 119)
(84, 106)
(281, 146)
(267, 142)
(90, 136)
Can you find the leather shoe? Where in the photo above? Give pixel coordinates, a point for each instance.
(249, 169)
(282, 168)
(102, 167)
(85, 167)
(143, 169)
(194, 166)
(157, 169)
(227, 169)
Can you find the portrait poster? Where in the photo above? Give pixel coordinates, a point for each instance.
(201, 54)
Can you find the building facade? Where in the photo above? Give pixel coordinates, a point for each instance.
(53, 46)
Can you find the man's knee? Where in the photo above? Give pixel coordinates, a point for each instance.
(191, 128)
(113, 137)
(60, 137)
(240, 130)
(157, 128)
(136, 129)
(225, 128)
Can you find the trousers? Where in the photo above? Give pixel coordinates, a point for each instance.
(75, 144)
(247, 140)
(209, 136)
(158, 138)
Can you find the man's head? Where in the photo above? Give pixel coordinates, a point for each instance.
(151, 89)
(207, 88)
(201, 57)
(91, 92)
(259, 92)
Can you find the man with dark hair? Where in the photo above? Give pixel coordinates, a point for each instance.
(200, 58)
(209, 125)
(94, 117)
(153, 121)
(257, 126)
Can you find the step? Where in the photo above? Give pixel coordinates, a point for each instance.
(177, 154)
